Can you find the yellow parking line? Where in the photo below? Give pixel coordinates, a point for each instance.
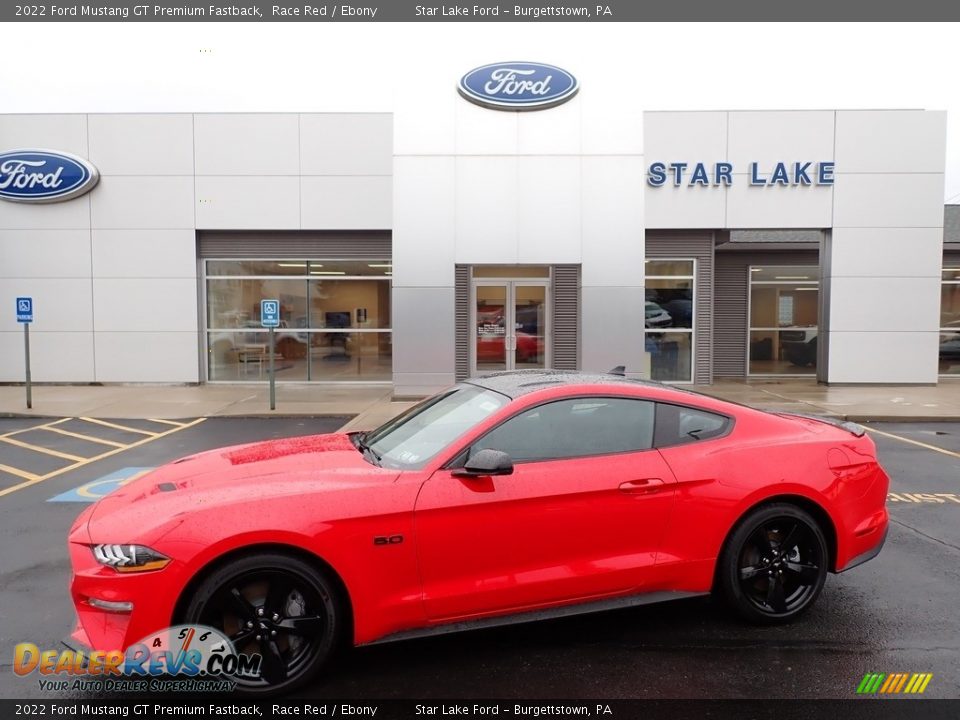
(46, 451)
(166, 422)
(35, 479)
(91, 438)
(951, 453)
(18, 473)
(120, 427)
(35, 427)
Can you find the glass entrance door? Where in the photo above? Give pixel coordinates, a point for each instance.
(511, 324)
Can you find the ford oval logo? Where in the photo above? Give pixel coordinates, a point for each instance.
(518, 86)
(44, 176)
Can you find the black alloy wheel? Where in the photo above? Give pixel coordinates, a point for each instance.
(278, 607)
(774, 564)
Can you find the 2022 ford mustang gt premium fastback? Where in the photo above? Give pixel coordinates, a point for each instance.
(547, 491)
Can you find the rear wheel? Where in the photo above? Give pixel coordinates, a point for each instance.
(277, 606)
(774, 565)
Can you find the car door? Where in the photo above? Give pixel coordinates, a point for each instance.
(581, 516)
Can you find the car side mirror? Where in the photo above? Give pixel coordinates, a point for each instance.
(484, 463)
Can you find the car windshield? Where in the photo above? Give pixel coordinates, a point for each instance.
(411, 440)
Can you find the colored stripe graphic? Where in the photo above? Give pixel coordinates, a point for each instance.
(894, 683)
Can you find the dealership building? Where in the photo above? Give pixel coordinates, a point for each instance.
(450, 236)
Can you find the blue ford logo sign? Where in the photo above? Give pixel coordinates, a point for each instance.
(518, 86)
(44, 176)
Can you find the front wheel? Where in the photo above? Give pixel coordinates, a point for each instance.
(774, 565)
(278, 607)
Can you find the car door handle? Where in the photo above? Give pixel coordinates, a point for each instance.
(643, 486)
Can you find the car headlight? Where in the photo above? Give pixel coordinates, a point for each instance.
(129, 558)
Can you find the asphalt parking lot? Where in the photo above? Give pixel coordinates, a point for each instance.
(897, 613)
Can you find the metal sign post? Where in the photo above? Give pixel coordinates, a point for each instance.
(273, 382)
(270, 318)
(25, 316)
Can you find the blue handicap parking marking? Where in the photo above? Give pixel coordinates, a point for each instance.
(96, 489)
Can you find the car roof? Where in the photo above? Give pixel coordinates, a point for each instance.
(515, 383)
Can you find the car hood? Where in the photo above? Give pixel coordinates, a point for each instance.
(240, 474)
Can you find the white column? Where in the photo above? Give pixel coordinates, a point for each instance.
(884, 255)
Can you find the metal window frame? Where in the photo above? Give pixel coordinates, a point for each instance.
(205, 330)
(544, 282)
(751, 328)
(693, 315)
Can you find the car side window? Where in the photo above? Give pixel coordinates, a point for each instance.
(575, 427)
(677, 425)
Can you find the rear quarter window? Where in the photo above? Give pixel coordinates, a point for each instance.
(680, 425)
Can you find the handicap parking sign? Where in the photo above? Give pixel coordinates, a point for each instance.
(92, 491)
(270, 313)
(24, 309)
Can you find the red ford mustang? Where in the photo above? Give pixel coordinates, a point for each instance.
(546, 491)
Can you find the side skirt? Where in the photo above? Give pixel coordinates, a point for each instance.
(527, 616)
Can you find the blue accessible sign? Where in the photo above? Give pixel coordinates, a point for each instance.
(24, 309)
(270, 313)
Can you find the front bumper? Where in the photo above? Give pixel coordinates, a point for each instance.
(152, 594)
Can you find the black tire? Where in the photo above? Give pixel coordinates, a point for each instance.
(278, 606)
(774, 564)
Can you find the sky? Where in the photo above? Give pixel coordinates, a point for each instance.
(313, 67)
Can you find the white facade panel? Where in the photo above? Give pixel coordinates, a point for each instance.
(424, 201)
(144, 253)
(346, 203)
(549, 209)
(145, 304)
(558, 132)
(891, 141)
(689, 137)
(883, 357)
(423, 339)
(346, 144)
(147, 357)
(767, 138)
(142, 144)
(416, 132)
(248, 203)
(771, 207)
(607, 133)
(611, 333)
(50, 216)
(48, 351)
(44, 254)
(671, 207)
(59, 304)
(612, 221)
(247, 144)
(46, 132)
(480, 131)
(866, 304)
(887, 253)
(888, 200)
(487, 190)
(142, 202)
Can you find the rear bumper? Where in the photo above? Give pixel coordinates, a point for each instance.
(867, 554)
